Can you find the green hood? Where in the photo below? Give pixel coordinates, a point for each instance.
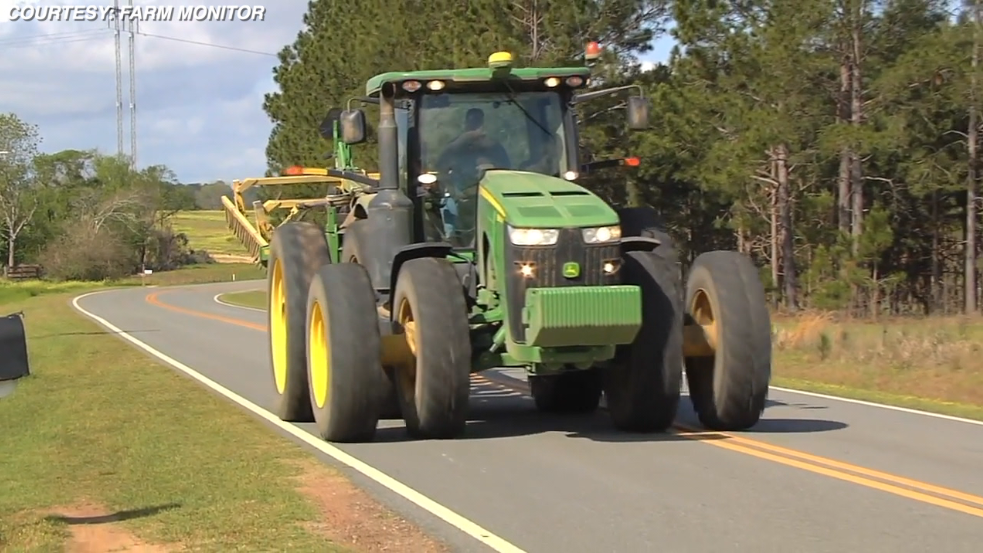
(532, 200)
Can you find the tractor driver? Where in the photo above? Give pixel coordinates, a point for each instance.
(473, 147)
(462, 161)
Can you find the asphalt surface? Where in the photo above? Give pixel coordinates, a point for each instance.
(815, 475)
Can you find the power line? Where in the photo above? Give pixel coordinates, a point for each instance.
(208, 44)
(36, 44)
(55, 38)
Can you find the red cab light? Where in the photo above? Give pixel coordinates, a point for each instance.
(632, 161)
(293, 171)
(593, 51)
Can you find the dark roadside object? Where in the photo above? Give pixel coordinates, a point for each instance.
(13, 353)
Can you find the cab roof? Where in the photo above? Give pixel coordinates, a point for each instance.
(472, 75)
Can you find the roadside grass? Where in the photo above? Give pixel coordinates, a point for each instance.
(933, 364)
(254, 299)
(102, 430)
(207, 230)
(928, 364)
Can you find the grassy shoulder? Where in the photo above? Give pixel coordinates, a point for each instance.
(102, 430)
(933, 365)
(253, 299)
(207, 230)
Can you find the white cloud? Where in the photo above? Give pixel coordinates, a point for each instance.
(199, 108)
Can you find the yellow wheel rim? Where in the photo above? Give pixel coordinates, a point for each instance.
(278, 327)
(405, 319)
(703, 315)
(319, 356)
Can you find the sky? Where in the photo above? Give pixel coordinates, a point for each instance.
(199, 108)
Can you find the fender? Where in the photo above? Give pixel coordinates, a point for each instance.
(359, 210)
(639, 244)
(415, 251)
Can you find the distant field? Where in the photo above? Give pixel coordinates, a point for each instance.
(206, 230)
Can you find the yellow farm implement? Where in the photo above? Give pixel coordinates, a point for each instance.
(255, 234)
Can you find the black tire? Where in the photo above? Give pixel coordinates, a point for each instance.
(297, 251)
(729, 389)
(433, 394)
(345, 375)
(642, 387)
(572, 392)
(646, 223)
(351, 253)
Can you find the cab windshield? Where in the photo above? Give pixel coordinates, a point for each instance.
(463, 134)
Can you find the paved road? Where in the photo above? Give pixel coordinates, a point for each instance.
(816, 475)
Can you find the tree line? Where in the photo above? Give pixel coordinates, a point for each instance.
(83, 215)
(834, 141)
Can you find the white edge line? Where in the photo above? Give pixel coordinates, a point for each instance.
(879, 405)
(786, 390)
(450, 517)
(217, 299)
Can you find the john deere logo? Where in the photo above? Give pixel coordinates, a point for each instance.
(571, 270)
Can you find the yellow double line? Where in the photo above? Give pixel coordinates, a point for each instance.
(898, 485)
(904, 487)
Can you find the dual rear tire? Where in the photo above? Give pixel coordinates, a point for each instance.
(324, 338)
(728, 389)
(325, 342)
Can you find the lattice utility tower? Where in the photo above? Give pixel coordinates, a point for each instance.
(114, 24)
(132, 28)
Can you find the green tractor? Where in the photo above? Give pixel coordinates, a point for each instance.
(474, 248)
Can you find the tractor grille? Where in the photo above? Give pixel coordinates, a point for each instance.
(549, 262)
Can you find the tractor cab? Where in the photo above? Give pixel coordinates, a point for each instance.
(453, 126)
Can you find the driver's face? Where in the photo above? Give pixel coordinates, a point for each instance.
(474, 120)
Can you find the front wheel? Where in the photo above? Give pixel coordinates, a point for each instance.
(642, 385)
(430, 309)
(724, 295)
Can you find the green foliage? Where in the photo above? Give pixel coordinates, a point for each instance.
(759, 128)
(88, 216)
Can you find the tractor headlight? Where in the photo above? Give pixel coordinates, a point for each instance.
(600, 235)
(534, 236)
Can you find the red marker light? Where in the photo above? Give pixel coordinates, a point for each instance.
(593, 51)
(294, 171)
(632, 161)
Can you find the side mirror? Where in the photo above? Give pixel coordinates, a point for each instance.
(353, 126)
(638, 113)
(326, 129)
